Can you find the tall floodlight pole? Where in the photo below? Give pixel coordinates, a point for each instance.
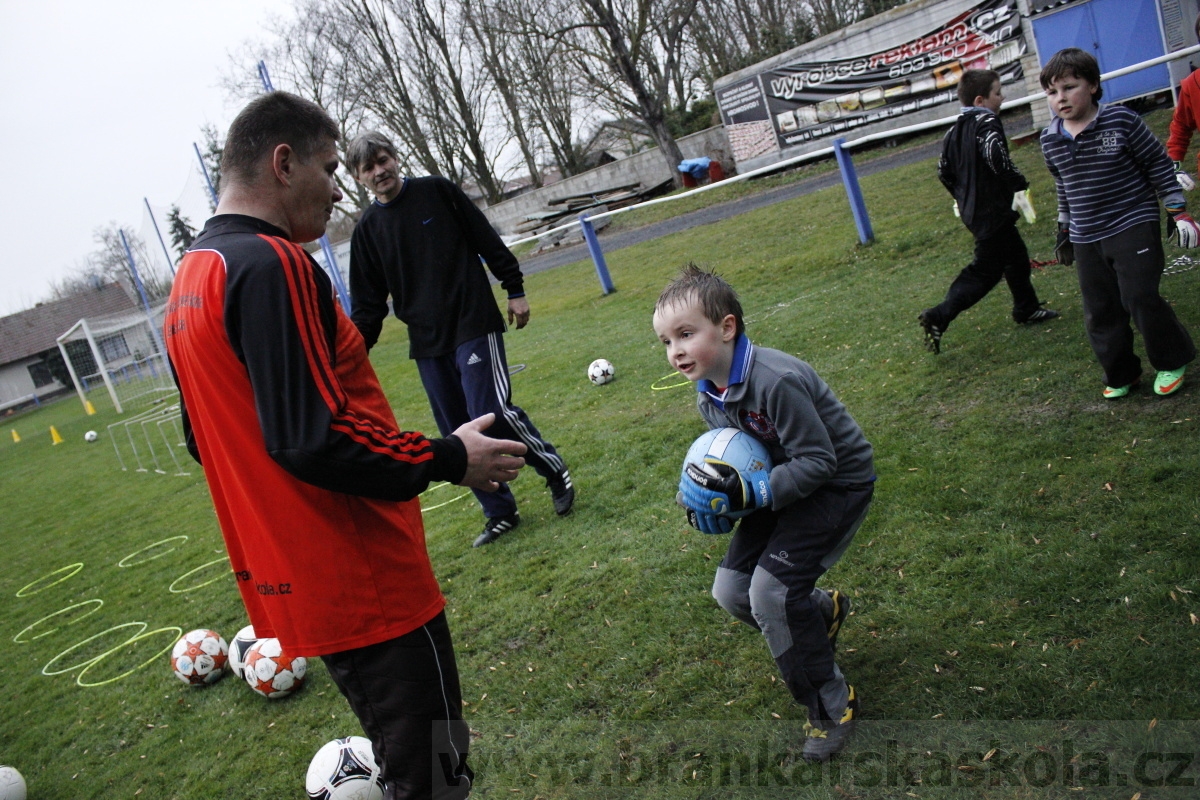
(170, 263)
(331, 265)
(137, 279)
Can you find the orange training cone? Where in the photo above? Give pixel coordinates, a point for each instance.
(55, 438)
(16, 436)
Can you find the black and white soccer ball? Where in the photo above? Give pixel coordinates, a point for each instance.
(344, 769)
(600, 371)
(239, 648)
(12, 785)
(91, 436)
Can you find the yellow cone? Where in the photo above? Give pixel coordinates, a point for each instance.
(16, 436)
(54, 435)
(88, 407)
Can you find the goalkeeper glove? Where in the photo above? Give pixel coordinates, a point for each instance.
(1064, 251)
(1187, 232)
(1023, 203)
(716, 487)
(704, 522)
(1185, 181)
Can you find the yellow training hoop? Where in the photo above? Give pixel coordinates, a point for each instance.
(97, 601)
(175, 633)
(27, 590)
(122, 563)
(173, 590)
(46, 669)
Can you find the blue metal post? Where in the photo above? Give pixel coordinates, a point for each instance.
(589, 236)
(170, 263)
(862, 220)
(212, 192)
(137, 280)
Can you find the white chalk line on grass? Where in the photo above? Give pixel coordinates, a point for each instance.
(122, 563)
(19, 640)
(27, 590)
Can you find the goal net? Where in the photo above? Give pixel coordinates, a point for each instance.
(119, 355)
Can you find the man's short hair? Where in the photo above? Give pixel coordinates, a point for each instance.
(712, 292)
(268, 121)
(1075, 63)
(363, 150)
(976, 83)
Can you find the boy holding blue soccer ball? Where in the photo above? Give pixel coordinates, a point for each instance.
(806, 508)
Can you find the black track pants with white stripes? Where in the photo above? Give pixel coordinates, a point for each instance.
(471, 382)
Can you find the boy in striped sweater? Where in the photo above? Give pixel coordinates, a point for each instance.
(1110, 173)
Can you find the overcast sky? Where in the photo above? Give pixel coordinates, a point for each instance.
(100, 104)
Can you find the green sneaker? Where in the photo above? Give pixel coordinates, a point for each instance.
(1117, 392)
(1168, 381)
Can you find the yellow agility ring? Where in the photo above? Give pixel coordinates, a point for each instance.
(28, 589)
(434, 488)
(48, 672)
(97, 601)
(175, 634)
(191, 572)
(656, 387)
(123, 561)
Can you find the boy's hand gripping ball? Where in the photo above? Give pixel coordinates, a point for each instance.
(726, 475)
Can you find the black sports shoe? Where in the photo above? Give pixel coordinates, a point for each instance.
(933, 331)
(496, 527)
(822, 742)
(1041, 315)
(562, 492)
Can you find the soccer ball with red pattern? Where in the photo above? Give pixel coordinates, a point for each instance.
(344, 769)
(199, 657)
(272, 672)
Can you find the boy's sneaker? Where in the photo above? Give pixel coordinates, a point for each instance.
(562, 492)
(1117, 392)
(1041, 315)
(495, 527)
(841, 609)
(820, 743)
(933, 331)
(1168, 381)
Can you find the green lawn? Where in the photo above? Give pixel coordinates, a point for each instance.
(1030, 557)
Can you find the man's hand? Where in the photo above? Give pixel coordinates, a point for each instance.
(518, 311)
(489, 461)
(716, 487)
(1063, 249)
(1187, 232)
(1185, 181)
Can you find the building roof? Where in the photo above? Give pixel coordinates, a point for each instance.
(36, 330)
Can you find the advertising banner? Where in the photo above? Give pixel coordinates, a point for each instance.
(799, 102)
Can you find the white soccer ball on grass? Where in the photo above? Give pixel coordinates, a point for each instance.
(239, 647)
(12, 785)
(344, 769)
(600, 371)
(272, 672)
(199, 657)
(91, 436)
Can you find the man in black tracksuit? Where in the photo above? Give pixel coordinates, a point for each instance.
(423, 242)
(975, 167)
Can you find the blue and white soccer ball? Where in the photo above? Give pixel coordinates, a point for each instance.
(735, 447)
(344, 769)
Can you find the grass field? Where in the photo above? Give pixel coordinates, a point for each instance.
(1026, 577)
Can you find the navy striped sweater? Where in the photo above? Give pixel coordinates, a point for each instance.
(1111, 176)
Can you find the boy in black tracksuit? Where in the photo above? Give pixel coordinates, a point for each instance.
(975, 167)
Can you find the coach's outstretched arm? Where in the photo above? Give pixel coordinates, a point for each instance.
(489, 461)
